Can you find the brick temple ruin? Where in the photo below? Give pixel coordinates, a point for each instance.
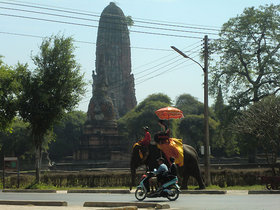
(113, 94)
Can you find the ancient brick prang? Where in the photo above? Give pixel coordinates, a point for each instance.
(113, 58)
(113, 94)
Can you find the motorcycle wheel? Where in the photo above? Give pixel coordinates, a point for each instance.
(174, 194)
(140, 194)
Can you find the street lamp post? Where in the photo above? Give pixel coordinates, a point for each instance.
(206, 116)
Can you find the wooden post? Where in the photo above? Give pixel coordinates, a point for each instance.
(206, 116)
(18, 174)
(3, 172)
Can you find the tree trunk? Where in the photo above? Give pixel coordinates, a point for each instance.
(38, 160)
(252, 155)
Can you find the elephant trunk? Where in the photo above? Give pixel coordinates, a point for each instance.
(133, 174)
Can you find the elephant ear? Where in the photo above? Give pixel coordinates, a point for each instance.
(136, 147)
(136, 144)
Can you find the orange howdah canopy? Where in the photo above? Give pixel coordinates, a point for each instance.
(169, 112)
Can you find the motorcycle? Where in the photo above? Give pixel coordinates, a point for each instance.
(170, 189)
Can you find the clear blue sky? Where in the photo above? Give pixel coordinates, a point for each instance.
(157, 69)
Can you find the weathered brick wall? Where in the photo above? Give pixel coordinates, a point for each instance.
(113, 58)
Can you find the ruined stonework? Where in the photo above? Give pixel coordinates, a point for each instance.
(113, 57)
(113, 94)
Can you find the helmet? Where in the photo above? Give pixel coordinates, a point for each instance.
(146, 128)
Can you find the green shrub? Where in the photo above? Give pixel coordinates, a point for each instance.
(84, 179)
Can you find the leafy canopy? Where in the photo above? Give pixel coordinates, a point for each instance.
(262, 121)
(54, 87)
(131, 125)
(9, 88)
(248, 56)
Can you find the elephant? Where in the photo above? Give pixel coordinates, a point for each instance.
(190, 167)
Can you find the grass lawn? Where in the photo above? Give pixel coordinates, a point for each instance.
(215, 187)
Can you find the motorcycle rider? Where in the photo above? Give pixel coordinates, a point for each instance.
(172, 173)
(173, 167)
(161, 173)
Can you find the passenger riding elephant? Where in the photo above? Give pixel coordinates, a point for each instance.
(190, 167)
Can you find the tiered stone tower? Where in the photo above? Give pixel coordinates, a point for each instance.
(113, 92)
(114, 58)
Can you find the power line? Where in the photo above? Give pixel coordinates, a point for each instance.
(124, 81)
(48, 20)
(90, 43)
(85, 42)
(173, 68)
(189, 51)
(96, 26)
(86, 19)
(146, 21)
(51, 9)
(143, 80)
(162, 57)
(35, 36)
(158, 66)
(92, 26)
(165, 70)
(156, 22)
(40, 37)
(151, 77)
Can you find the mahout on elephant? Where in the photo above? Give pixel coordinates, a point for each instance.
(189, 168)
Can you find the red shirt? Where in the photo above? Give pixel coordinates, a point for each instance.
(146, 140)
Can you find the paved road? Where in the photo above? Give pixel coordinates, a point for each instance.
(232, 200)
(229, 202)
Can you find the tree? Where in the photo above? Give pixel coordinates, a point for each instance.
(189, 105)
(131, 124)
(154, 97)
(225, 140)
(219, 105)
(17, 143)
(67, 135)
(129, 21)
(262, 121)
(248, 61)
(55, 86)
(9, 87)
(192, 130)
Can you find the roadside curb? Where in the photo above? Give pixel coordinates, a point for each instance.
(116, 191)
(264, 192)
(127, 204)
(203, 192)
(123, 191)
(28, 191)
(122, 208)
(34, 203)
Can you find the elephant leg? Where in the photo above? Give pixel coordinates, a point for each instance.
(185, 182)
(199, 180)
